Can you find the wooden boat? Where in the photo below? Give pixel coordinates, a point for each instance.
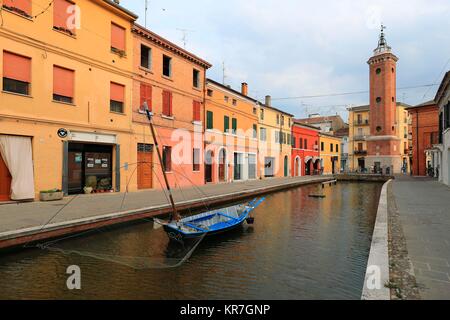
(211, 222)
(204, 224)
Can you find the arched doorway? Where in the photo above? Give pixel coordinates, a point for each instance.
(222, 165)
(209, 166)
(286, 166)
(297, 167)
(317, 167)
(308, 166)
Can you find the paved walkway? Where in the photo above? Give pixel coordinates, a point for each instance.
(424, 208)
(29, 218)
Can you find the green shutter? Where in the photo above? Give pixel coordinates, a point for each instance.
(226, 124)
(209, 120)
(234, 125)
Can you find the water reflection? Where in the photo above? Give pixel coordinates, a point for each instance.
(299, 248)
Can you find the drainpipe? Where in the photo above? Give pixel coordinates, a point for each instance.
(417, 140)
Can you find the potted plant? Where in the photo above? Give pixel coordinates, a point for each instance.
(51, 195)
(88, 190)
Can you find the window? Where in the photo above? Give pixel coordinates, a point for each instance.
(306, 144)
(337, 148)
(16, 73)
(145, 96)
(22, 7)
(234, 125)
(63, 84)
(226, 98)
(196, 106)
(255, 131)
(262, 134)
(167, 103)
(331, 147)
(196, 78)
(288, 139)
(117, 38)
(254, 110)
(262, 114)
(282, 120)
(167, 159)
(277, 136)
(167, 66)
(146, 57)
(278, 119)
(143, 147)
(322, 146)
(300, 143)
(379, 129)
(117, 97)
(62, 14)
(196, 159)
(210, 93)
(209, 120)
(378, 71)
(226, 124)
(378, 99)
(234, 102)
(294, 144)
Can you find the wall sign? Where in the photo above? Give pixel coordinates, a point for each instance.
(63, 133)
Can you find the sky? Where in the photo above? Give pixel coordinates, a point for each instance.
(292, 48)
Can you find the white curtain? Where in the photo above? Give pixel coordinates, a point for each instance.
(17, 155)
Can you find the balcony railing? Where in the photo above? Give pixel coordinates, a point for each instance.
(360, 152)
(360, 138)
(362, 122)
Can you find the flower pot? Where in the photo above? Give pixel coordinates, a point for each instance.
(51, 196)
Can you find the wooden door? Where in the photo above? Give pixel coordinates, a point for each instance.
(145, 165)
(5, 182)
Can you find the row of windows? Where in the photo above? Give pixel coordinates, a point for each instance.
(167, 70)
(226, 124)
(63, 21)
(332, 147)
(303, 144)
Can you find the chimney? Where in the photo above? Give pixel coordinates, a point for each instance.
(244, 89)
(117, 1)
(268, 101)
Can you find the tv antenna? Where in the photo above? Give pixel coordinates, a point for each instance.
(185, 35)
(146, 9)
(224, 76)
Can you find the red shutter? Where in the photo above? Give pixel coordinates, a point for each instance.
(196, 110)
(61, 15)
(167, 103)
(117, 92)
(146, 95)
(24, 5)
(63, 80)
(16, 67)
(117, 37)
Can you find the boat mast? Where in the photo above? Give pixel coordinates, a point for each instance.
(175, 212)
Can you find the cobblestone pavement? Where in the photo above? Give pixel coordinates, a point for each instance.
(424, 210)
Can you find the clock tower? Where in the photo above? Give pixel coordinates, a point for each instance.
(383, 144)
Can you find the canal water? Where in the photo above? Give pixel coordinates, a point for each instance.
(298, 248)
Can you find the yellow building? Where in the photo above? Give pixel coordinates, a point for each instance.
(275, 141)
(359, 133)
(231, 143)
(330, 154)
(65, 103)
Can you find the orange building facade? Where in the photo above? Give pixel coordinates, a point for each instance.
(231, 136)
(172, 83)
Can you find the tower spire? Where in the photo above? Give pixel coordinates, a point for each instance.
(382, 43)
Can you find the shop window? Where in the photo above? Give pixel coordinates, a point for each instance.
(16, 73)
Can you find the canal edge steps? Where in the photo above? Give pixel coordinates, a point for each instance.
(377, 272)
(14, 238)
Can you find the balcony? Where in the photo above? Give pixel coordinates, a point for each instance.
(362, 122)
(360, 153)
(360, 138)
